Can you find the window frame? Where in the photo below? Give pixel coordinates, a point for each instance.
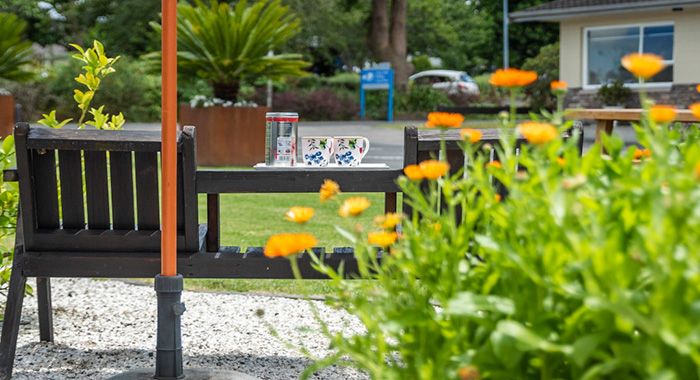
(641, 26)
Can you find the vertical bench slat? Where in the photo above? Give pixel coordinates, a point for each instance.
(147, 190)
(46, 192)
(71, 173)
(97, 192)
(180, 196)
(121, 181)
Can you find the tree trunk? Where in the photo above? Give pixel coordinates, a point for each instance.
(388, 38)
(227, 91)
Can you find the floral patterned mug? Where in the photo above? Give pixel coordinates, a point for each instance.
(317, 150)
(350, 150)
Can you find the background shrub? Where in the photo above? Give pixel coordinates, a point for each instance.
(317, 104)
(546, 64)
(422, 99)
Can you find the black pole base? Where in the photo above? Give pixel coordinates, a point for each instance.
(169, 338)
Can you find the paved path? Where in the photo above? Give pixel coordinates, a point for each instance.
(386, 138)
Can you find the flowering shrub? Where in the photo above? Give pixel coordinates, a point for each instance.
(203, 101)
(589, 268)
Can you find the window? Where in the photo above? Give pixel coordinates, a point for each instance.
(605, 47)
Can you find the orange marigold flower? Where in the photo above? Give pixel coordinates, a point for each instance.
(434, 169)
(289, 244)
(299, 215)
(643, 65)
(538, 133)
(329, 189)
(561, 161)
(413, 172)
(558, 85)
(468, 373)
(388, 220)
(353, 206)
(444, 120)
(471, 135)
(382, 238)
(497, 197)
(512, 77)
(697, 170)
(494, 164)
(662, 113)
(695, 109)
(641, 153)
(697, 88)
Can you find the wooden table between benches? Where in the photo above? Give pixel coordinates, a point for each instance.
(605, 117)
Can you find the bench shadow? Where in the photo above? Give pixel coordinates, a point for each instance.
(57, 361)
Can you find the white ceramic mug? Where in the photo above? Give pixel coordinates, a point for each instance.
(350, 150)
(317, 150)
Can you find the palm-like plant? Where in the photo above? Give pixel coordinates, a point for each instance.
(229, 45)
(15, 52)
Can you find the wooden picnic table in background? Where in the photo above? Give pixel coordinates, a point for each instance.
(605, 117)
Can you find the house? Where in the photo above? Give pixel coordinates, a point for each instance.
(595, 34)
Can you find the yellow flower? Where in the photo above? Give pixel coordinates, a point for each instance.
(662, 113)
(695, 109)
(558, 85)
(388, 221)
(382, 238)
(434, 169)
(538, 133)
(413, 172)
(444, 120)
(353, 206)
(497, 197)
(329, 189)
(697, 170)
(512, 77)
(471, 135)
(494, 164)
(643, 65)
(299, 215)
(289, 244)
(561, 161)
(641, 153)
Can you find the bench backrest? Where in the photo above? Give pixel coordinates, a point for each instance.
(90, 190)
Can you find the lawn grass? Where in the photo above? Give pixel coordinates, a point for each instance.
(247, 220)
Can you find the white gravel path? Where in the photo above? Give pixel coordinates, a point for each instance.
(104, 327)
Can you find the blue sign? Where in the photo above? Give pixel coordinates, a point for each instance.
(377, 79)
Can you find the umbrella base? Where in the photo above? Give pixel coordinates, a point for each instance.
(190, 374)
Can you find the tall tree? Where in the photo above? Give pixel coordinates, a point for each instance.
(387, 38)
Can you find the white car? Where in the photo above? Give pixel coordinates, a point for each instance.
(453, 82)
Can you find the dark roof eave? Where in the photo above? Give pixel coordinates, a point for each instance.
(554, 15)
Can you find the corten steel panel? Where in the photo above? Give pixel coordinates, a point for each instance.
(227, 135)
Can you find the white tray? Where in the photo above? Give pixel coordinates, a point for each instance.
(333, 166)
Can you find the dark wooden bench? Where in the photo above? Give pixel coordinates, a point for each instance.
(89, 207)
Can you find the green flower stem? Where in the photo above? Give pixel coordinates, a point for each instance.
(511, 116)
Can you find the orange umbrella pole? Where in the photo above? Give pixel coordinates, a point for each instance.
(169, 133)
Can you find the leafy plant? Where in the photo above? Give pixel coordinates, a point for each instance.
(228, 46)
(614, 93)
(96, 66)
(9, 200)
(420, 98)
(546, 64)
(15, 52)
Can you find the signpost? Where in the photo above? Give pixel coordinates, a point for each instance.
(377, 79)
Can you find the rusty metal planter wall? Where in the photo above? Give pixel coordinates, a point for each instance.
(7, 115)
(227, 135)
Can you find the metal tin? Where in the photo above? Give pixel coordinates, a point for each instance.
(281, 134)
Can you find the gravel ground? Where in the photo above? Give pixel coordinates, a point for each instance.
(104, 327)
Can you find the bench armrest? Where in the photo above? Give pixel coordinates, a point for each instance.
(10, 175)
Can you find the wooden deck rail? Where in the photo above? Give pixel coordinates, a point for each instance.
(605, 118)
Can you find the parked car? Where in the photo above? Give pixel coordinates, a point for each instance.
(451, 81)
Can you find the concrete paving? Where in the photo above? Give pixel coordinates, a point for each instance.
(386, 139)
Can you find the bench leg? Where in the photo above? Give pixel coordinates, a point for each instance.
(13, 312)
(43, 285)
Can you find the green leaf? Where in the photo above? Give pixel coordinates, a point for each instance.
(476, 305)
(529, 339)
